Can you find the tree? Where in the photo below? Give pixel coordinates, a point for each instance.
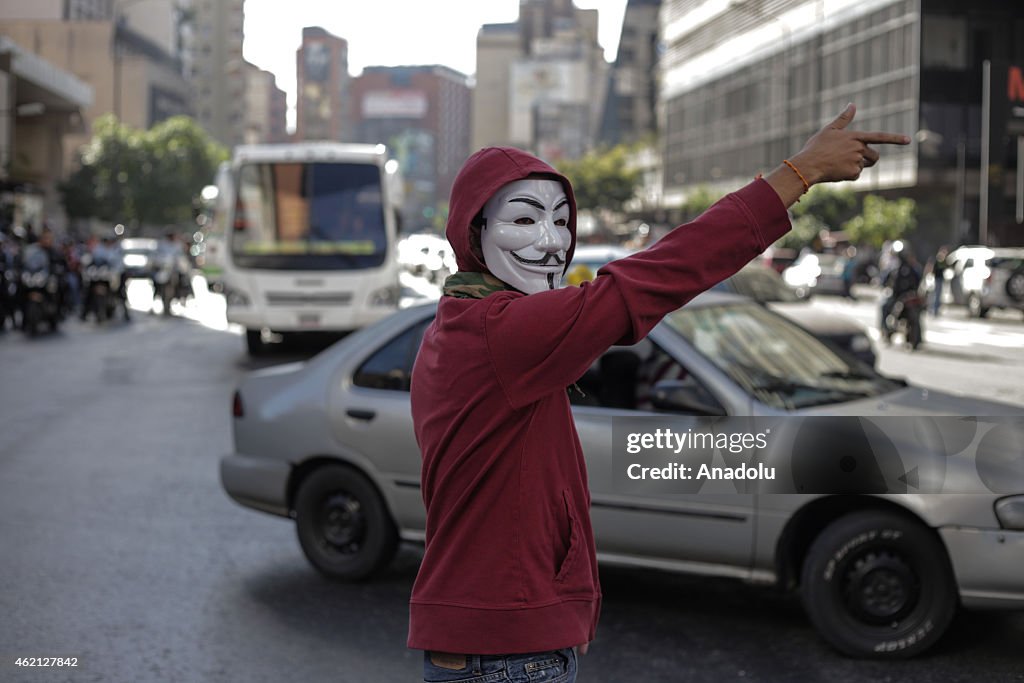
(602, 179)
(699, 201)
(133, 176)
(882, 219)
(823, 208)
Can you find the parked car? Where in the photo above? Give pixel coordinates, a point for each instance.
(985, 278)
(330, 444)
(588, 259)
(764, 285)
(139, 257)
(816, 274)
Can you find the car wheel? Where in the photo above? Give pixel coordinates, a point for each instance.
(975, 307)
(1015, 285)
(343, 524)
(879, 585)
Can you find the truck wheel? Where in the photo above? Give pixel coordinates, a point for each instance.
(878, 585)
(344, 526)
(254, 342)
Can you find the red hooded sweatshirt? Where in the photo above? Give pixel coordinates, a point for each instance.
(510, 563)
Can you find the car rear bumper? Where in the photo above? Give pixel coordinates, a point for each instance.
(254, 482)
(987, 564)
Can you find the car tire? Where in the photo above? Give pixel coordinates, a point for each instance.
(975, 308)
(1015, 285)
(878, 585)
(343, 524)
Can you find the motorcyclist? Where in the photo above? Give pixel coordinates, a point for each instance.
(109, 252)
(903, 278)
(171, 254)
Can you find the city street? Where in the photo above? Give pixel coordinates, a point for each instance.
(121, 549)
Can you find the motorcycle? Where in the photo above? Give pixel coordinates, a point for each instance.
(905, 319)
(99, 282)
(169, 284)
(41, 291)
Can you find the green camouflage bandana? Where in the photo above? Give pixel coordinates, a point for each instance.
(473, 285)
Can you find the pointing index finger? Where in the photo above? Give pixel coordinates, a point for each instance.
(875, 137)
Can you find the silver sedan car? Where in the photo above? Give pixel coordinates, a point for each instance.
(329, 443)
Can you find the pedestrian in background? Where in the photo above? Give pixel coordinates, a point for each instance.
(936, 267)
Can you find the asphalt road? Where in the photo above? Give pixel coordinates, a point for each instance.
(120, 548)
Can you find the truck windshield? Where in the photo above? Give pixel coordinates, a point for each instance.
(309, 216)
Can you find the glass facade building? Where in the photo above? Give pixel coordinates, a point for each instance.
(744, 83)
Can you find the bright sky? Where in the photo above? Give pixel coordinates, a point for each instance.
(391, 32)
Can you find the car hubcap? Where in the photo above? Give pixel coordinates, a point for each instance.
(880, 588)
(343, 523)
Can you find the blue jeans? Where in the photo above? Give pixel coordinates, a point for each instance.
(558, 666)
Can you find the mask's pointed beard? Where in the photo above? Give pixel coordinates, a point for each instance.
(551, 280)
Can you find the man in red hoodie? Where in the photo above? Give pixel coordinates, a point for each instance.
(509, 585)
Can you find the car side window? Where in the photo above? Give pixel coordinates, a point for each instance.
(625, 377)
(390, 367)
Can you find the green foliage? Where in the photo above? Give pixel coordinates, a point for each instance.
(134, 176)
(882, 219)
(698, 202)
(602, 179)
(823, 208)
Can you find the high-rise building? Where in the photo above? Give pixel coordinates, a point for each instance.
(422, 114)
(540, 81)
(631, 103)
(265, 108)
(216, 68)
(131, 76)
(744, 84)
(323, 111)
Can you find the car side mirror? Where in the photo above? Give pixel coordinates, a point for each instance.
(685, 397)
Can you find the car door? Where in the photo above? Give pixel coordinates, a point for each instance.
(371, 419)
(701, 532)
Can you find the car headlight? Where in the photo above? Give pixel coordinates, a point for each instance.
(388, 296)
(860, 343)
(1010, 512)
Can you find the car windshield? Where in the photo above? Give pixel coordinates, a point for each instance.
(309, 215)
(762, 284)
(773, 360)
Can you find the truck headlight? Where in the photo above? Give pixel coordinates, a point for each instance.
(387, 296)
(1010, 512)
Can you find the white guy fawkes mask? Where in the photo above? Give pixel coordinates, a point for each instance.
(526, 234)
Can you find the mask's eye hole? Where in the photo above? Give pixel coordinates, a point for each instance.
(561, 222)
(525, 220)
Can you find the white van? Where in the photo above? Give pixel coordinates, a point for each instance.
(303, 238)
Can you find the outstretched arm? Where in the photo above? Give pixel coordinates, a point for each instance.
(833, 153)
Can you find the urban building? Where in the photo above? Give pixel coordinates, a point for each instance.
(131, 76)
(630, 108)
(42, 103)
(216, 68)
(266, 107)
(540, 82)
(422, 113)
(323, 111)
(745, 83)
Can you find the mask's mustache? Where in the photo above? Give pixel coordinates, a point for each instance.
(542, 261)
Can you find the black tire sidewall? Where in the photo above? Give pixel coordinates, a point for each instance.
(828, 559)
(381, 538)
(1016, 276)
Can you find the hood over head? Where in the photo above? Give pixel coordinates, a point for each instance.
(483, 174)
